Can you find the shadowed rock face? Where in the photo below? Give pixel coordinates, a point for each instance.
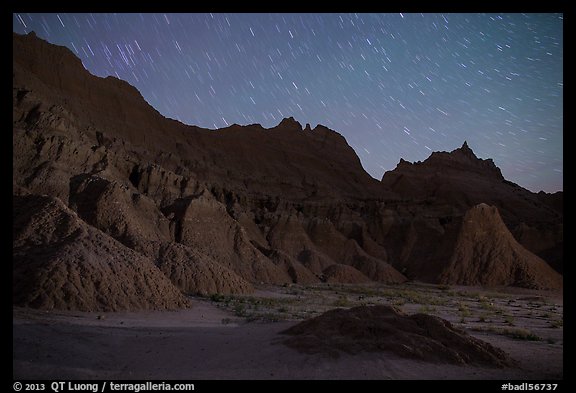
(384, 329)
(254, 205)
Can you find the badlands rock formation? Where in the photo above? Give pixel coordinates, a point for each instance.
(216, 211)
(486, 253)
(61, 262)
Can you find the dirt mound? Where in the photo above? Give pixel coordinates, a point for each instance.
(339, 273)
(60, 262)
(384, 329)
(198, 274)
(486, 253)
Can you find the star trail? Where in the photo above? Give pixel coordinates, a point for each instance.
(395, 85)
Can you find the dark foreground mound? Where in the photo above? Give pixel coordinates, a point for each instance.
(383, 328)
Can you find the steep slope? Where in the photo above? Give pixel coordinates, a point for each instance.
(195, 273)
(251, 159)
(486, 253)
(61, 262)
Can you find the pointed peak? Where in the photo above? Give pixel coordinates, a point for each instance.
(307, 128)
(290, 123)
(465, 149)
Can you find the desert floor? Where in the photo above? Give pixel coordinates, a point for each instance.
(237, 337)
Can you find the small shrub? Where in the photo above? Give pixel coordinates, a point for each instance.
(342, 301)
(398, 302)
(484, 318)
(240, 310)
(217, 297)
(558, 323)
(426, 309)
(464, 310)
(518, 334)
(521, 334)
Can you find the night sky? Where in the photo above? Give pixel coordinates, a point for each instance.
(395, 85)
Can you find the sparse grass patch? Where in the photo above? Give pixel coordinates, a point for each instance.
(266, 317)
(464, 310)
(471, 309)
(486, 304)
(365, 291)
(521, 334)
(240, 310)
(218, 297)
(398, 302)
(497, 295)
(342, 301)
(484, 318)
(509, 319)
(515, 333)
(426, 309)
(557, 323)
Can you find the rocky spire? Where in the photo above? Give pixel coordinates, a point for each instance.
(466, 150)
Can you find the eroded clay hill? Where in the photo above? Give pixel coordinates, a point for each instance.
(217, 211)
(486, 253)
(60, 262)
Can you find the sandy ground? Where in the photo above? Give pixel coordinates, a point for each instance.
(208, 342)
